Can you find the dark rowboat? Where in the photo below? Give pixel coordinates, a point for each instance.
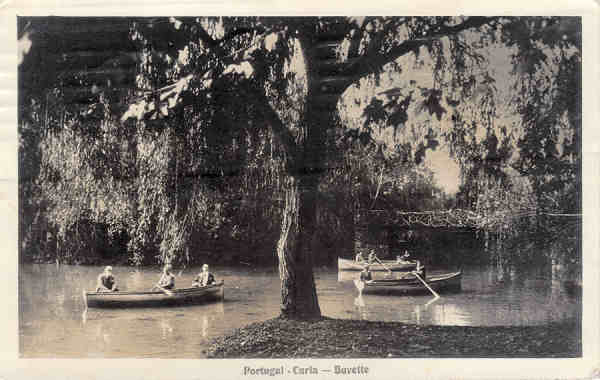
(440, 282)
(345, 264)
(184, 296)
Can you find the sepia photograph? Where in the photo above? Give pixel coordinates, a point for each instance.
(389, 187)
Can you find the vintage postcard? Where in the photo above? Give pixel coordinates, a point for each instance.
(301, 193)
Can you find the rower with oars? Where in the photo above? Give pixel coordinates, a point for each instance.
(373, 258)
(167, 280)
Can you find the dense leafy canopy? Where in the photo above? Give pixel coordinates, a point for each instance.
(180, 146)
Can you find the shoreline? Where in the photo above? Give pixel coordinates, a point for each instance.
(347, 338)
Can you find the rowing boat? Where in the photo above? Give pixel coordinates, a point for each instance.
(388, 265)
(440, 282)
(183, 296)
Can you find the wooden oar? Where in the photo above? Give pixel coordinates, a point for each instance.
(385, 266)
(434, 299)
(166, 291)
(426, 284)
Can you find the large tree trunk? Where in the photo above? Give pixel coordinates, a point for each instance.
(294, 249)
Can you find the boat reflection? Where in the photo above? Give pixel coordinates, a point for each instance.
(447, 314)
(102, 337)
(107, 328)
(166, 328)
(359, 301)
(419, 310)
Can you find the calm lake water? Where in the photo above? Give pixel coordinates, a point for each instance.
(53, 321)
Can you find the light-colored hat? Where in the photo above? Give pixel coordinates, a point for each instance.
(108, 268)
(205, 266)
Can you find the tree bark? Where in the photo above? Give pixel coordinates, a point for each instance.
(294, 249)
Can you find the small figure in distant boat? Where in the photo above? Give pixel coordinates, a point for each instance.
(359, 258)
(204, 278)
(167, 279)
(404, 259)
(365, 275)
(106, 281)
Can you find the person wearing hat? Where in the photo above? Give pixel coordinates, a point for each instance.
(106, 281)
(167, 279)
(204, 278)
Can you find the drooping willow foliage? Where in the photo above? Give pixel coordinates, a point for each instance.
(199, 176)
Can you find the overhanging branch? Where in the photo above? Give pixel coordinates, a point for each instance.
(217, 44)
(372, 63)
(279, 129)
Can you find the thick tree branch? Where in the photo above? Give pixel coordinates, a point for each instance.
(374, 62)
(279, 129)
(217, 44)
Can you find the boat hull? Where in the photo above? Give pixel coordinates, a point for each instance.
(447, 282)
(184, 296)
(351, 265)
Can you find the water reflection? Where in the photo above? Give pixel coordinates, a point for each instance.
(54, 322)
(347, 276)
(166, 328)
(361, 308)
(102, 337)
(172, 327)
(449, 314)
(359, 301)
(204, 326)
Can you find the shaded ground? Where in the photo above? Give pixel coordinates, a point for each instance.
(340, 338)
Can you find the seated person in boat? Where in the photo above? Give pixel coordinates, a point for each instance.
(359, 258)
(204, 278)
(372, 257)
(167, 279)
(404, 259)
(106, 281)
(365, 275)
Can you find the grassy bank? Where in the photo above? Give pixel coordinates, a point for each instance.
(337, 338)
